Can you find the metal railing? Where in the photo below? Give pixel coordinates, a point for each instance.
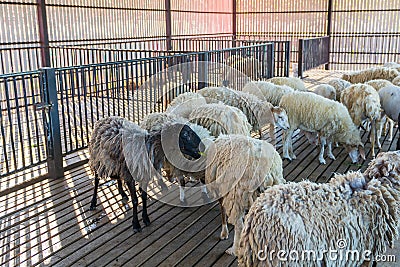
(49, 114)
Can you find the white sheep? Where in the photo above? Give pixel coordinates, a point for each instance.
(363, 103)
(392, 65)
(183, 104)
(353, 212)
(293, 82)
(238, 187)
(119, 149)
(259, 113)
(339, 85)
(396, 81)
(219, 119)
(390, 103)
(371, 74)
(325, 90)
(379, 84)
(330, 119)
(267, 91)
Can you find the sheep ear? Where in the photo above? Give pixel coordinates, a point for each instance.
(362, 151)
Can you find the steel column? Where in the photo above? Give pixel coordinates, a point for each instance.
(43, 33)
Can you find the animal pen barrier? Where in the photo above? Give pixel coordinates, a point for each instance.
(83, 94)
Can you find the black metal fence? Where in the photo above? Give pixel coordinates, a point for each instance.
(49, 114)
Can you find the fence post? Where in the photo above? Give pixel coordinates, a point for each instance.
(43, 33)
(168, 30)
(287, 58)
(234, 21)
(52, 123)
(203, 70)
(300, 60)
(329, 28)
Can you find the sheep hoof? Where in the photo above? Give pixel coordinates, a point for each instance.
(294, 156)
(137, 229)
(146, 220)
(322, 161)
(288, 158)
(230, 251)
(92, 208)
(332, 157)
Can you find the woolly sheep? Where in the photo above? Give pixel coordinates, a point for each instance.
(121, 150)
(339, 85)
(258, 113)
(267, 91)
(392, 65)
(371, 74)
(396, 81)
(357, 210)
(363, 103)
(389, 100)
(292, 82)
(378, 84)
(183, 104)
(260, 167)
(219, 118)
(325, 90)
(328, 118)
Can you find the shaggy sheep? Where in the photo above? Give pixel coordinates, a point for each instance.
(396, 81)
(355, 211)
(389, 99)
(219, 118)
(267, 91)
(379, 84)
(328, 118)
(121, 150)
(183, 104)
(292, 82)
(371, 74)
(325, 90)
(260, 167)
(392, 65)
(363, 103)
(258, 113)
(339, 86)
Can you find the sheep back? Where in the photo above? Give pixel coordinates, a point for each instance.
(261, 166)
(221, 119)
(379, 84)
(371, 74)
(268, 91)
(293, 82)
(339, 85)
(183, 104)
(325, 90)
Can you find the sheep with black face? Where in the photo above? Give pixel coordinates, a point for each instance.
(122, 150)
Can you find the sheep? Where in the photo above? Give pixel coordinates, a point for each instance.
(363, 102)
(355, 211)
(392, 65)
(267, 91)
(339, 85)
(396, 81)
(183, 104)
(219, 118)
(325, 90)
(330, 119)
(292, 82)
(258, 113)
(398, 138)
(155, 122)
(389, 100)
(379, 84)
(121, 150)
(371, 74)
(236, 189)
(249, 66)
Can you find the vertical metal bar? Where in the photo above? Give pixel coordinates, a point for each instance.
(287, 58)
(53, 136)
(300, 60)
(234, 22)
(43, 33)
(168, 30)
(329, 28)
(203, 70)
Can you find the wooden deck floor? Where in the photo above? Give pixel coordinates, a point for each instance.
(48, 223)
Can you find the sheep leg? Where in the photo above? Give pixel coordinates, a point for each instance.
(322, 151)
(271, 131)
(121, 190)
(236, 239)
(287, 140)
(145, 216)
(329, 152)
(372, 137)
(224, 232)
(391, 126)
(135, 221)
(93, 203)
(182, 189)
